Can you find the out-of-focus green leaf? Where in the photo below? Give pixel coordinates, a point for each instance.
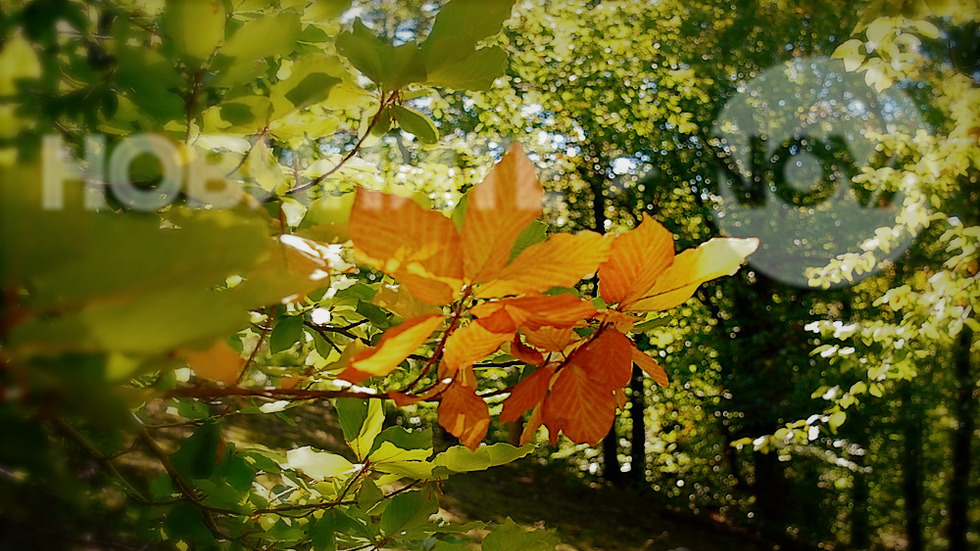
(264, 37)
(196, 26)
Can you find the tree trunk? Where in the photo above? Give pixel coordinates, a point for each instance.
(959, 493)
(911, 469)
(860, 493)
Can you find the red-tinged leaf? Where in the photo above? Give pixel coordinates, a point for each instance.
(464, 414)
(418, 247)
(620, 320)
(469, 344)
(650, 367)
(533, 312)
(561, 261)
(716, 258)
(497, 210)
(525, 353)
(401, 400)
(578, 407)
(527, 394)
(532, 425)
(395, 346)
(219, 362)
(607, 359)
(638, 257)
(551, 339)
(620, 398)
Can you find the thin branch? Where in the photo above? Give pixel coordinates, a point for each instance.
(255, 351)
(385, 103)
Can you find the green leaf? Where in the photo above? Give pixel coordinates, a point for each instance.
(287, 332)
(264, 37)
(390, 67)
(318, 464)
(405, 511)
(198, 455)
(361, 421)
(475, 72)
(405, 439)
(509, 536)
(415, 123)
(196, 26)
(459, 25)
(460, 459)
(369, 495)
(326, 9)
(150, 81)
(311, 80)
(322, 532)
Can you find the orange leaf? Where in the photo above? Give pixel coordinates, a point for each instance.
(397, 300)
(607, 359)
(650, 367)
(219, 362)
(395, 346)
(533, 422)
(718, 257)
(497, 210)
(525, 353)
(636, 260)
(561, 261)
(469, 344)
(464, 414)
(564, 310)
(527, 394)
(418, 247)
(579, 408)
(550, 339)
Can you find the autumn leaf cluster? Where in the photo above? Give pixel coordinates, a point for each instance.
(472, 299)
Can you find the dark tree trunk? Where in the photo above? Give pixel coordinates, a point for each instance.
(612, 470)
(912, 469)
(959, 493)
(860, 493)
(638, 437)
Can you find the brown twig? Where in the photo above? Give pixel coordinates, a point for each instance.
(385, 103)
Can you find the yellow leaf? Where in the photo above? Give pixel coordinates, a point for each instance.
(218, 363)
(397, 300)
(650, 367)
(497, 210)
(561, 261)
(469, 344)
(418, 247)
(716, 258)
(638, 257)
(464, 414)
(394, 348)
